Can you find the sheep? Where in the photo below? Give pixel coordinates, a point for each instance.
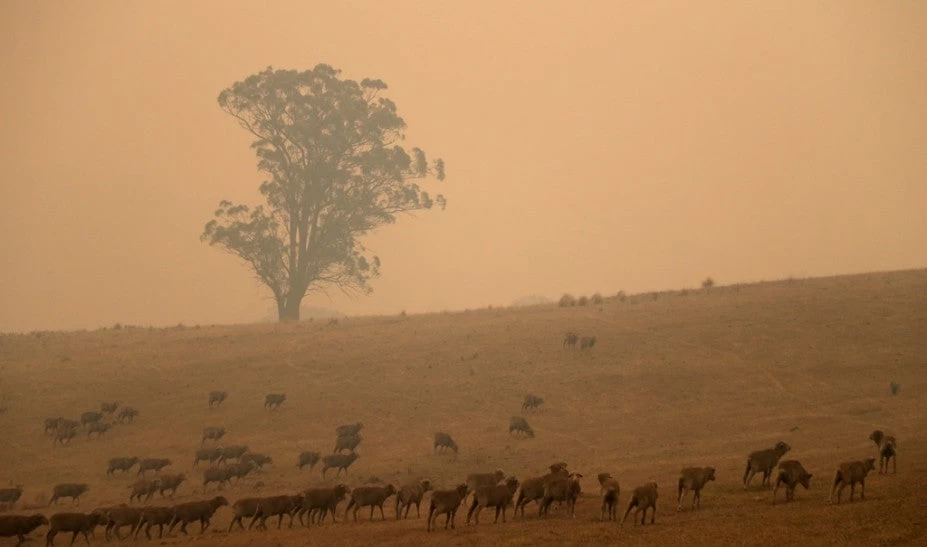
(475, 480)
(152, 464)
(68, 490)
(144, 487)
(64, 435)
(64, 423)
(339, 461)
(532, 489)
(374, 496)
(532, 402)
(211, 455)
(256, 459)
(109, 408)
(852, 473)
(570, 339)
(214, 474)
(99, 428)
(213, 433)
(51, 424)
(91, 417)
(9, 496)
(193, 511)
(117, 517)
(277, 506)
(791, 473)
(765, 461)
(561, 489)
(20, 525)
(120, 464)
(498, 496)
(217, 397)
(444, 441)
(520, 425)
(587, 342)
(128, 414)
(171, 482)
(76, 523)
(348, 429)
(886, 453)
(238, 471)
(154, 516)
(445, 502)
(693, 478)
(643, 498)
(274, 400)
(308, 458)
(876, 437)
(323, 500)
(233, 452)
(245, 507)
(346, 442)
(610, 491)
(409, 494)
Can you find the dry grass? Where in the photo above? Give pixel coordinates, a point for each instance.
(672, 382)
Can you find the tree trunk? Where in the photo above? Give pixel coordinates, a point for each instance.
(288, 308)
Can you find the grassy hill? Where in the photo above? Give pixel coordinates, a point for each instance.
(675, 380)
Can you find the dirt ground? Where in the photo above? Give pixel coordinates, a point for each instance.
(694, 379)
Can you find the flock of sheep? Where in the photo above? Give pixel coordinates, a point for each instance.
(494, 490)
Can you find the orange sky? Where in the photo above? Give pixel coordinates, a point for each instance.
(617, 145)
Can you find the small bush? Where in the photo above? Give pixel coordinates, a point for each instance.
(567, 300)
(402, 313)
(655, 296)
(896, 387)
(622, 296)
(597, 298)
(684, 292)
(582, 301)
(117, 326)
(708, 284)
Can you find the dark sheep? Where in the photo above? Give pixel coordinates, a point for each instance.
(693, 478)
(128, 414)
(274, 400)
(145, 488)
(561, 489)
(171, 482)
(234, 452)
(348, 429)
(610, 492)
(90, 417)
(341, 462)
(277, 506)
(347, 442)
(445, 502)
(373, 496)
(99, 428)
(68, 490)
(211, 455)
(532, 402)
(322, 500)
(20, 525)
(444, 441)
(643, 498)
(308, 458)
(409, 494)
(792, 473)
(217, 397)
(152, 464)
(117, 517)
(120, 464)
(154, 516)
(765, 461)
(498, 496)
(76, 523)
(212, 433)
(109, 408)
(256, 459)
(193, 511)
(850, 473)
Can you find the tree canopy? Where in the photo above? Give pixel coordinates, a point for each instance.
(329, 149)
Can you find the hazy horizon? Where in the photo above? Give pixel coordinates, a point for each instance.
(629, 146)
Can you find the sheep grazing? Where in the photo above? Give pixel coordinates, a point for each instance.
(128, 414)
(498, 496)
(277, 506)
(99, 428)
(308, 458)
(76, 523)
(9, 496)
(765, 461)
(694, 479)
(587, 342)
(120, 464)
(373, 496)
(144, 487)
(154, 516)
(68, 490)
(152, 464)
(570, 339)
(532, 402)
(256, 459)
(347, 442)
(850, 473)
(886, 453)
(216, 398)
(348, 429)
(561, 489)
(445, 502)
(643, 498)
(211, 455)
(791, 473)
(91, 417)
(610, 491)
(323, 501)
(532, 489)
(233, 452)
(409, 494)
(274, 400)
(444, 441)
(171, 482)
(64, 435)
(109, 408)
(519, 425)
(212, 433)
(341, 462)
(114, 518)
(20, 525)
(193, 511)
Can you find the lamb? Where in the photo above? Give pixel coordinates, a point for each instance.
(91, 417)
(532, 489)
(347, 442)
(68, 490)
(152, 464)
(154, 516)
(852, 473)
(212, 433)
(886, 453)
(519, 425)
(323, 500)
(561, 489)
(274, 400)
(693, 478)
(308, 458)
(765, 461)
(587, 342)
(99, 428)
(498, 496)
(532, 402)
(444, 441)
(193, 511)
(643, 498)
(409, 494)
(217, 397)
(341, 462)
(373, 496)
(792, 473)
(76, 523)
(348, 429)
(570, 339)
(120, 464)
(211, 455)
(610, 491)
(145, 488)
(445, 502)
(64, 435)
(20, 525)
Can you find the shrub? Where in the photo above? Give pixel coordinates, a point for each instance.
(708, 284)
(596, 298)
(567, 300)
(582, 301)
(622, 296)
(896, 387)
